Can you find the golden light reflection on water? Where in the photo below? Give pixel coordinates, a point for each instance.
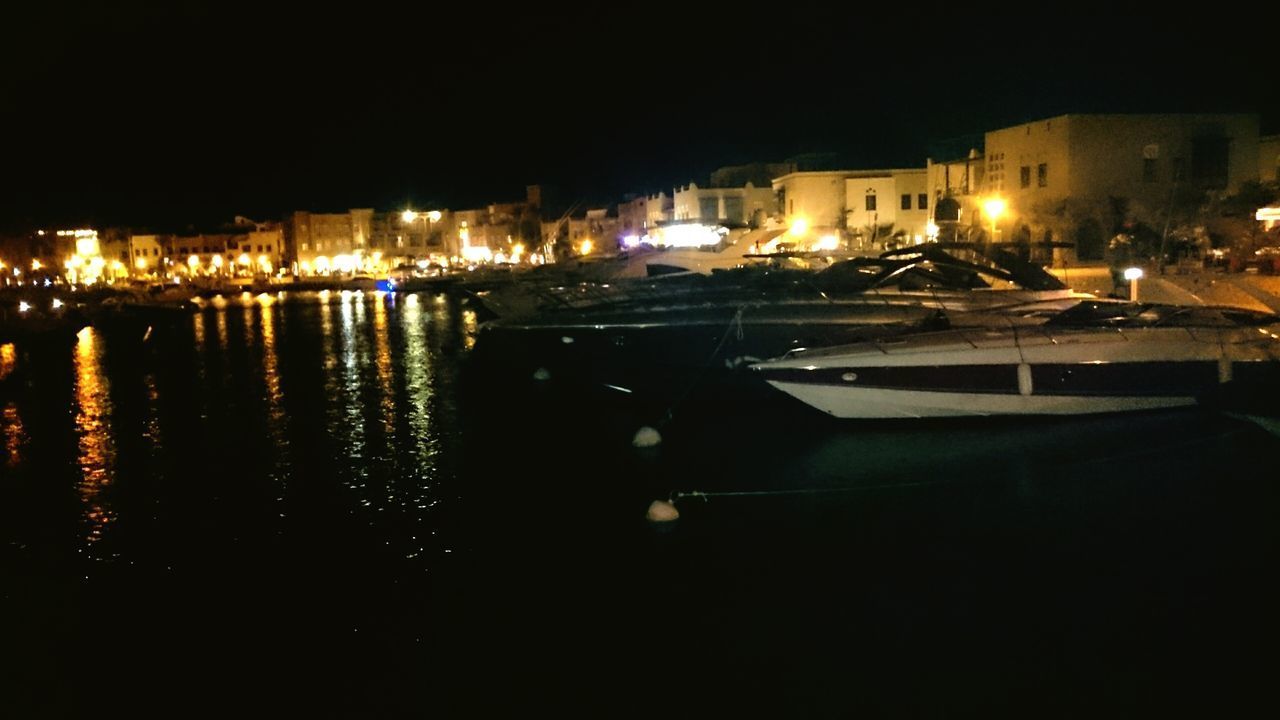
(14, 432)
(417, 370)
(382, 359)
(93, 425)
(469, 328)
(8, 359)
(352, 361)
(14, 436)
(276, 418)
(220, 324)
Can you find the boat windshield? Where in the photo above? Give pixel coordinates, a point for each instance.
(1100, 313)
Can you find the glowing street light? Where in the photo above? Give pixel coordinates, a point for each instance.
(586, 246)
(217, 261)
(408, 216)
(1133, 275)
(193, 261)
(994, 208)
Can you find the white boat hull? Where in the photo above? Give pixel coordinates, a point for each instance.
(1026, 371)
(880, 403)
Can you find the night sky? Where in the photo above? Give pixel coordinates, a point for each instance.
(197, 112)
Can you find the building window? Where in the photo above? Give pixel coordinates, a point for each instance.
(906, 201)
(1025, 172)
(871, 203)
(1042, 175)
(1148, 170)
(304, 246)
(791, 207)
(1209, 161)
(922, 201)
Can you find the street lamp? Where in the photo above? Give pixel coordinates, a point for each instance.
(994, 208)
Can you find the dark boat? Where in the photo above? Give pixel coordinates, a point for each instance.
(627, 334)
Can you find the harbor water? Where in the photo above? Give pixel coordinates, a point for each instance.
(315, 503)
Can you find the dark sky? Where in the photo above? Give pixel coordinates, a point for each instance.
(200, 111)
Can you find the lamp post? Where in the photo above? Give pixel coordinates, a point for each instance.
(994, 208)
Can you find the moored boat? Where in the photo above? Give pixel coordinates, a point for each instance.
(1096, 357)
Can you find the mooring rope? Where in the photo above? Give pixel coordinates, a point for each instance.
(704, 496)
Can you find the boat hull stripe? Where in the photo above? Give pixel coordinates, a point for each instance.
(1130, 379)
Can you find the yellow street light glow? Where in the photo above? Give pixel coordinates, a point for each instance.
(243, 259)
(140, 263)
(117, 266)
(23, 306)
(57, 303)
(799, 226)
(826, 243)
(35, 264)
(217, 261)
(408, 216)
(586, 246)
(193, 261)
(1133, 273)
(994, 207)
(434, 216)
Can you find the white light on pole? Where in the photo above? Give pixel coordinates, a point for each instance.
(1133, 275)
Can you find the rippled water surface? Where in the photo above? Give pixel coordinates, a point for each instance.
(318, 504)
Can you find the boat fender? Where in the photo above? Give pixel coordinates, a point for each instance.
(662, 511)
(1025, 386)
(566, 339)
(542, 374)
(646, 437)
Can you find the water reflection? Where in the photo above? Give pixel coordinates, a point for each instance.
(382, 356)
(14, 433)
(469, 328)
(352, 361)
(8, 359)
(276, 416)
(93, 427)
